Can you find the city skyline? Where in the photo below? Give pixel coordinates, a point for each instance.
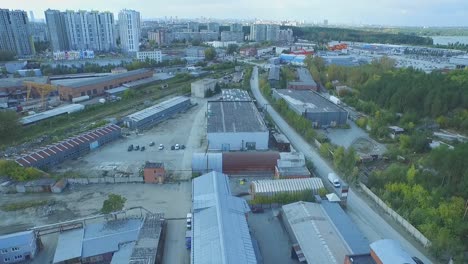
(386, 12)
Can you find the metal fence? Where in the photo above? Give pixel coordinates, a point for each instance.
(409, 227)
(105, 180)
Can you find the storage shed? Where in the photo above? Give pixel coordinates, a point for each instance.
(274, 187)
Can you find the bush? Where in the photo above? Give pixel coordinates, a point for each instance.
(23, 205)
(113, 203)
(18, 173)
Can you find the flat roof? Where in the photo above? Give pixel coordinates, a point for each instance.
(389, 251)
(305, 76)
(16, 239)
(69, 245)
(287, 185)
(310, 101)
(116, 90)
(293, 171)
(67, 109)
(316, 235)
(16, 82)
(234, 116)
(274, 73)
(106, 78)
(235, 95)
(155, 109)
(141, 82)
(205, 81)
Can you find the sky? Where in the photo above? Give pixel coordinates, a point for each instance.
(353, 12)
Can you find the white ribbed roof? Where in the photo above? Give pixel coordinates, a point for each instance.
(287, 185)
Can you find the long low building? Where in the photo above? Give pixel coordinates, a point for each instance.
(67, 109)
(305, 82)
(235, 125)
(220, 233)
(98, 86)
(70, 148)
(319, 110)
(275, 187)
(157, 113)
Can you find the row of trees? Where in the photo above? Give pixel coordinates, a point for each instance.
(284, 198)
(13, 170)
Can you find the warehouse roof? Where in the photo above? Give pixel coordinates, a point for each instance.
(141, 82)
(308, 101)
(205, 81)
(18, 82)
(107, 78)
(69, 245)
(16, 239)
(67, 109)
(234, 116)
(390, 252)
(116, 90)
(155, 109)
(319, 241)
(287, 185)
(293, 171)
(220, 233)
(274, 73)
(235, 95)
(305, 77)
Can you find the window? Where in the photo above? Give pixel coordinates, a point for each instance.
(13, 249)
(4, 251)
(18, 257)
(6, 259)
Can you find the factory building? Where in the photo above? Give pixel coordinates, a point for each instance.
(63, 110)
(200, 88)
(235, 125)
(319, 110)
(274, 76)
(157, 113)
(290, 186)
(99, 86)
(18, 247)
(220, 233)
(70, 148)
(305, 82)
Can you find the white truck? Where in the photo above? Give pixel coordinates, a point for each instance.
(333, 179)
(335, 100)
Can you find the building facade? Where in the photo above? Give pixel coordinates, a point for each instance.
(161, 37)
(18, 247)
(272, 32)
(57, 30)
(235, 27)
(213, 27)
(154, 172)
(130, 30)
(285, 35)
(15, 34)
(232, 36)
(258, 32)
(200, 87)
(154, 55)
(39, 31)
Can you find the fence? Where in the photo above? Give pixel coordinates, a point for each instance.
(409, 227)
(105, 180)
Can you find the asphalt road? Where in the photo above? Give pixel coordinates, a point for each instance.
(373, 226)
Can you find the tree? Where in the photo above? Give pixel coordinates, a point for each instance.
(113, 203)
(232, 48)
(6, 55)
(9, 126)
(210, 54)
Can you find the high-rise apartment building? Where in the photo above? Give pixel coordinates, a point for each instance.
(57, 30)
(258, 32)
(286, 35)
(272, 32)
(129, 25)
(236, 27)
(15, 34)
(39, 31)
(193, 26)
(213, 27)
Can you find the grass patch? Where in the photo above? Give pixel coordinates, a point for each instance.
(23, 205)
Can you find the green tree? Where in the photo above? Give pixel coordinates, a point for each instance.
(113, 203)
(232, 48)
(411, 174)
(210, 54)
(9, 122)
(6, 55)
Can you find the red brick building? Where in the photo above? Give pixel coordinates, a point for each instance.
(154, 172)
(98, 86)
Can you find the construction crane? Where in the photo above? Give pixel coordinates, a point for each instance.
(43, 89)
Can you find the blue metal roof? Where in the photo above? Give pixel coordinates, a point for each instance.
(69, 245)
(219, 228)
(16, 239)
(348, 230)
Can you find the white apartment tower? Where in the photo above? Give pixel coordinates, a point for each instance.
(129, 25)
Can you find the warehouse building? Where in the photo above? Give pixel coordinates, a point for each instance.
(70, 148)
(291, 165)
(200, 88)
(319, 110)
(98, 86)
(290, 186)
(305, 82)
(64, 110)
(274, 76)
(234, 125)
(220, 233)
(322, 232)
(18, 247)
(157, 113)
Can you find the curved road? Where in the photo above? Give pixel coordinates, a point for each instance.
(373, 226)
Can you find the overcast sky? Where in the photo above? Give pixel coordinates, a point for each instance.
(382, 12)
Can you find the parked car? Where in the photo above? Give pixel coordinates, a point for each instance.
(161, 147)
(417, 260)
(176, 147)
(151, 143)
(137, 147)
(172, 147)
(142, 148)
(182, 146)
(130, 148)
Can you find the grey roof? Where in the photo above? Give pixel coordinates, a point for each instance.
(106, 78)
(286, 185)
(220, 233)
(69, 245)
(280, 138)
(348, 230)
(150, 111)
(117, 90)
(293, 171)
(41, 182)
(234, 116)
(18, 82)
(235, 95)
(390, 252)
(124, 254)
(51, 113)
(141, 82)
(305, 76)
(16, 239)
(310, 101)
(274, 73)
(319, 240)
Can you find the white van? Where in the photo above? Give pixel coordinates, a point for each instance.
(333, 179)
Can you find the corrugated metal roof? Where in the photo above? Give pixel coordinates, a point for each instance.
(206, 162)
(16, 239)
(220, 233)
(319, 240)
(106, 78)
(67, 109)
(124, 254)
(69, 245)
(390, 251)
(235, 162)
(286, 185)
(234, 116)
(150, 111)
(347, 228)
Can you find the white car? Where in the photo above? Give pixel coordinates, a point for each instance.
(177, 147)
(161, 147)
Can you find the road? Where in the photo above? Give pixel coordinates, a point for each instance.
(369, 222)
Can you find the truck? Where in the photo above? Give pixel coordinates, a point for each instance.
(188, 239)
(333, 179)
(335, 100)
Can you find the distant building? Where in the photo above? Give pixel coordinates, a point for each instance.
(213, 27)
(311, 105)
(161, 37)
(130, 30)
(57, 30)
(270, 188)
(39, 31)
(195, 52)
(258, 32)
(274, 76)
(305, 82)
(235, 125)
(193, 26)
(154, 55)
(154, 172)
(235, 27)
(291, 165)
(199, 88)
(248, 52)
(285, 35)
(15, 35)
(232, 36)
(272, 32)
(220, 233)
(189, 36)
(18, 247)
